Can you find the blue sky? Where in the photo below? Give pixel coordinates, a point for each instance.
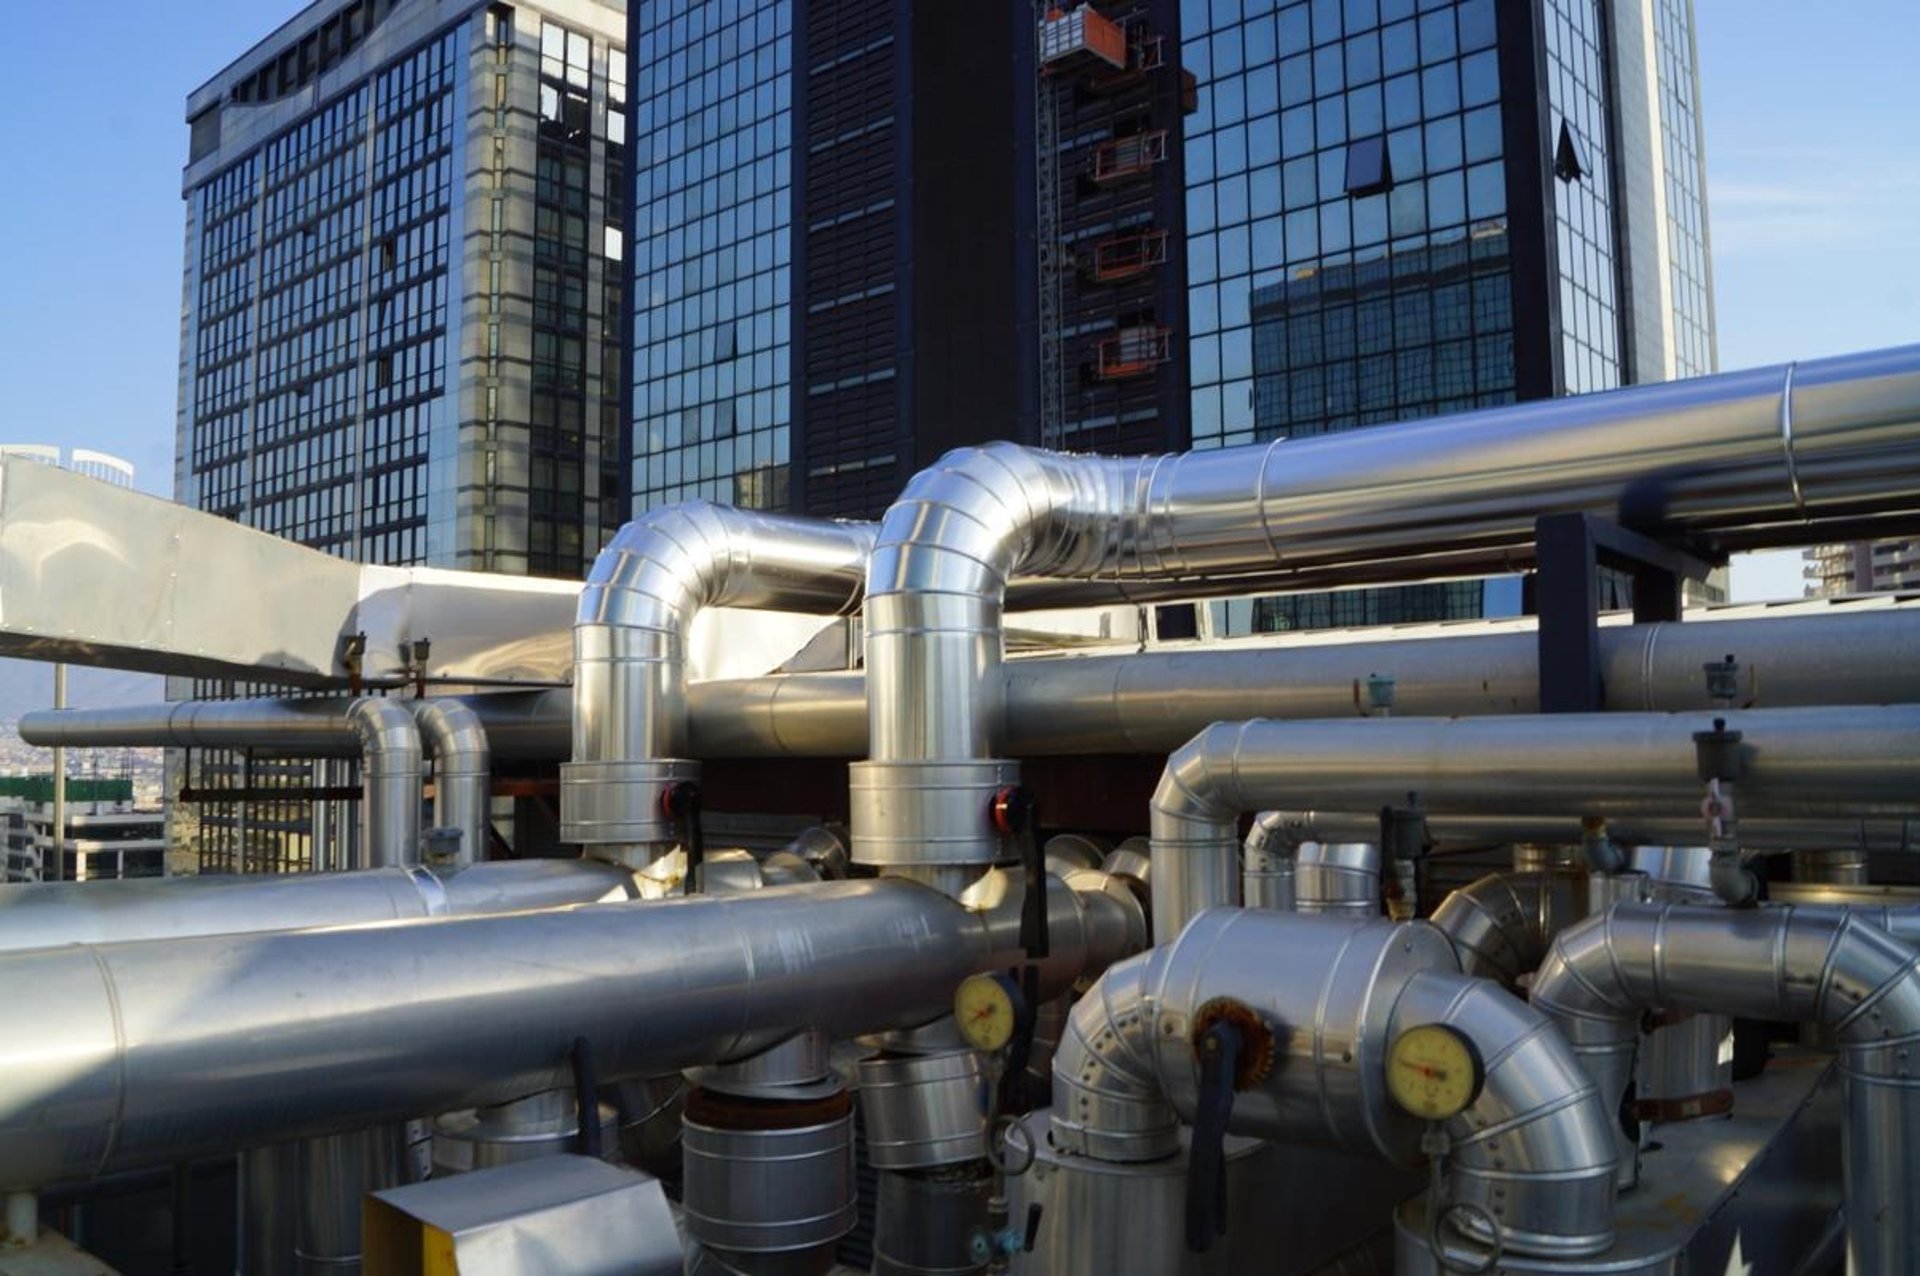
(1812, 112)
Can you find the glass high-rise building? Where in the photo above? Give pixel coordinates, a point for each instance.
(403, 277)
(1397, 208)
(403, 289)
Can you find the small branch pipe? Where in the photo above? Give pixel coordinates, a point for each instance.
(1829, 967)
(158, 1052)
(1533, 1149)
(462, 772)
(1801, 762)
(129, 910)
(389, 780)
(629, 649)
(1147, 702)
(1502, 924)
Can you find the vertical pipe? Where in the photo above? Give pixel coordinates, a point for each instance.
(59, 786)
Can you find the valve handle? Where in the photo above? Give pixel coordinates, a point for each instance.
(1219, 1050)
(1032, 1234)
(680, 801)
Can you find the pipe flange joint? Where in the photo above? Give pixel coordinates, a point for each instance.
(1255, 1062)
(928, 814)
(621, 802)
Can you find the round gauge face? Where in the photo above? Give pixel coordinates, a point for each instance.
(985, 1009)
(1434, 1072)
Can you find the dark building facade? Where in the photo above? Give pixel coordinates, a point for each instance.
(837, 272)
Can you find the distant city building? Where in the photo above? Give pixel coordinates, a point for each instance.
(1200, 224)
(100, 465)
(403, 287)
(403, 279)
(1862, 567)
(105, 836)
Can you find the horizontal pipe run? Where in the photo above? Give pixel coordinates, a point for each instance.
(161, 1051)
(50, 914)
(1892, 833)
(1799, 763)
(1149, 702)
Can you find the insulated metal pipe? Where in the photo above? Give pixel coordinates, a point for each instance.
(390, 781)
(1800, 762)
(1501, 924)
(1834, 968)
(1747, 458)
(462, 772)
(1145, 702)
(1533, 1148)
(1872, 833)
(135, 909)
(629, 649)
(158, 1052)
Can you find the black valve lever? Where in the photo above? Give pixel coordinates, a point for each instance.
(1033, 1228)
(680, 801)
(1219, 1050)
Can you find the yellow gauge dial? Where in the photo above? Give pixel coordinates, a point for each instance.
(985, 1009)
(1434, 1072)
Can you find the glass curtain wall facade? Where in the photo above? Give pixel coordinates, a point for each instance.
(1395, 209)
(397, 294)
(711, 255)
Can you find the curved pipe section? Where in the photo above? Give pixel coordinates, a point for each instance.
(629, 649)
(1534, 1148)
(390, 782)
(1502, 924)
(462, 772)
(1829, 967)
(128, 910)
(1800, 762)
(149, 1053)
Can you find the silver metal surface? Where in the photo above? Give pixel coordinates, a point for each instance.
(148, 1053)
(389, 780)
(1533, 1149)
(797, 1068)
(1875, 833)
(559, 1216)
(462, 772)
(931, 814)
(1840, 867)
(1801, 762)
(1671, 866)
(1266, 863)
(1751, 1194)
(613, 811)
(545, 1124)
(148, 585)
(924, 1224)
(769, 1190)
(335, 1172)
(922, 1111)
(1783, 964)
(630, 642)
(51, 914)
(1146, 702)
(1337, 877)
(1501, 924)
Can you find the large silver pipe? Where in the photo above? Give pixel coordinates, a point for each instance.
(1751, 458)
(389, 781)
(1533, 1148)
(1147, 702)
(159, 1052)
(1501, 924)
(1870, 833)
(1800, 762)
(629, 649)
(138, 909)
(462, 772)
(1831, 968)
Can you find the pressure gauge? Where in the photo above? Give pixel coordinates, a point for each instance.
(1434, 1072)
(988, 1010)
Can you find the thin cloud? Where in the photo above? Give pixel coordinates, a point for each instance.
(1835, 200)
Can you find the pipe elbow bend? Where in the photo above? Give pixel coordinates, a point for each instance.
(1108, 1103)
